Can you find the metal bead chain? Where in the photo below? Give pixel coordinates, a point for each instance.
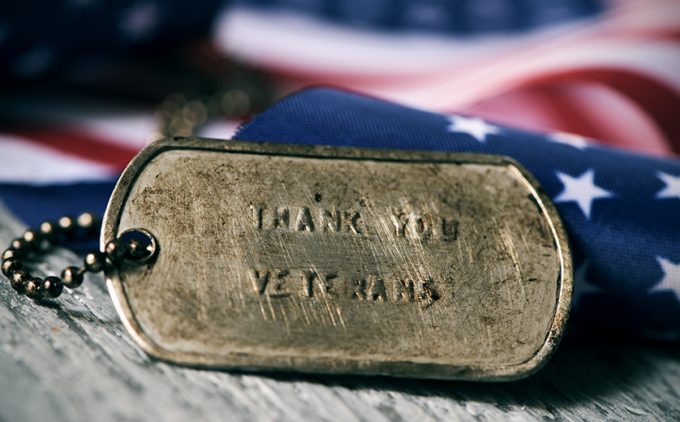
(36, 242)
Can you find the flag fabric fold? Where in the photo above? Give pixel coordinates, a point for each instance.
(621, 210)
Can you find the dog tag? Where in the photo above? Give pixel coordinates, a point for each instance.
(340, 260)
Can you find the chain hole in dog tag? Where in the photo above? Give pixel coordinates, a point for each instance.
(143, 244)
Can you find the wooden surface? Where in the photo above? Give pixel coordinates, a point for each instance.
(72, 360)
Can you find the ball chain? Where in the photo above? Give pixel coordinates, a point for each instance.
(36, 242)
(178, 115)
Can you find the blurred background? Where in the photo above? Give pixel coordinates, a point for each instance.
(86, 83)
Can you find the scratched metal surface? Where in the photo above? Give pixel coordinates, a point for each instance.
(286, 257)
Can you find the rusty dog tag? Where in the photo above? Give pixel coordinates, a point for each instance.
(339, 260)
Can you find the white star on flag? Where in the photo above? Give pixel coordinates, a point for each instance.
(671, 277)
(473, 126)
(582, 190)
(672, 188)
(570, 139)
(582, 286)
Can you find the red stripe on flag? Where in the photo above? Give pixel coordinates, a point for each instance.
(79, 143)
(659, 101)
(589, 109)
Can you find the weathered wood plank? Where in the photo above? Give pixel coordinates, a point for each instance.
(72, 360)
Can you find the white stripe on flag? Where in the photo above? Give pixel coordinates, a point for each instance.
(24, 162)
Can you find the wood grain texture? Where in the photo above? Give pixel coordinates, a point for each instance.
(72, 360)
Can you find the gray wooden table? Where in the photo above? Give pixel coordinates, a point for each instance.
(72, 360)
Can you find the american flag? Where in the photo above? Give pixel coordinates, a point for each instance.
(583, 93)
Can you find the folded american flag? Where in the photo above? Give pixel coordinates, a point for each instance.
(607, 70)
(621, 211)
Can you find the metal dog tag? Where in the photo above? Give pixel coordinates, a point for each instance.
(339, 260)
